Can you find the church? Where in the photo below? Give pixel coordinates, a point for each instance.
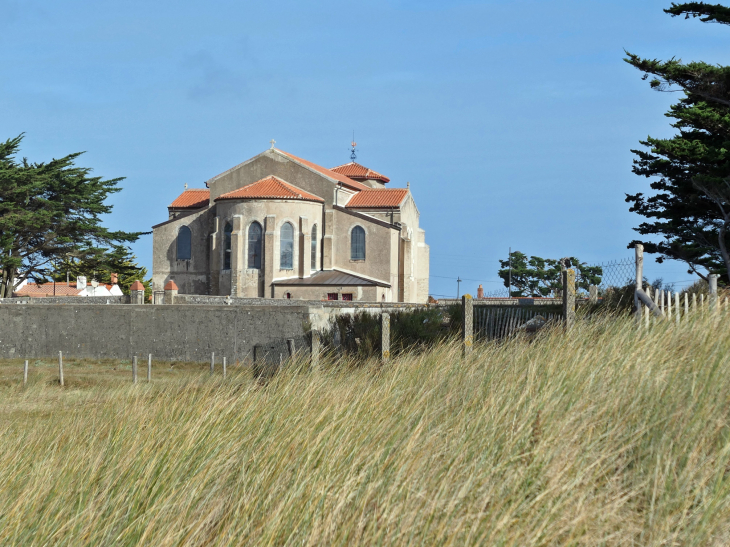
(279, 226)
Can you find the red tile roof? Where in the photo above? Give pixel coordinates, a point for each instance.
(270, 188)
(194, 198)
(377, 198)
(356, 171)
(137, 286)
(34, 289)
(328, 172)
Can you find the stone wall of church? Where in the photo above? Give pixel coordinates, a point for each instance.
(271, 215)
(378, 246)
(191, 276)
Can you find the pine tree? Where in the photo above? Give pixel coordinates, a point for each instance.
(49, 212)
(690, 209)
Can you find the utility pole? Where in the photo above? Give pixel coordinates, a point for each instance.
(509, 294)
(458, 287)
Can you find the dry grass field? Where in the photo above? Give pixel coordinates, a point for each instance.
(608, 436)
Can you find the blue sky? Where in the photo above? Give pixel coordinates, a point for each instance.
(513, 121)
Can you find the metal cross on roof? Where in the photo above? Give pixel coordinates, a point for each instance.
(273, 142)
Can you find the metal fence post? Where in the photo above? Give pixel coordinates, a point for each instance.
(713, 291)
(60, 368)
(569, 298)
(212, 362)
(467, 309)
(134, 369)
(384, 337)
(149, 368)
(25, 373)
(224, 367)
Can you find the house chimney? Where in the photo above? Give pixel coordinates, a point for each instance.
(115, 279)
(81, 282)
(480, 292)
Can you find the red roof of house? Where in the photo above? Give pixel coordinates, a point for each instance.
(377, 198)
(329, 173)
(137, 286)
(34, 289)
(270, 188)
(356, 171)
(193, 198)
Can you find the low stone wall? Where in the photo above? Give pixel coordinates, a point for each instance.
(170, 333)
(75, 300)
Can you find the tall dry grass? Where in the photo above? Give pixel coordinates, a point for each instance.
(608, 436)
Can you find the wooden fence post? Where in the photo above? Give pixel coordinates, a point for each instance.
(593, 294)
(212, 362)
(467, 310)
(134, 369)
(713, 291)
(149, 368)
(694, 302)
(384, 338)
(676, 306)
(568, 298)
(60, 368)
(647, 315)
(316, 348)
(686, 305)
(639, 251)
(25, 373)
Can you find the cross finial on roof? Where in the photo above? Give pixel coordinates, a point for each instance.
(186, 185)
(273, 142)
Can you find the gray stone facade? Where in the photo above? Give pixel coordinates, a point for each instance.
(311, 201)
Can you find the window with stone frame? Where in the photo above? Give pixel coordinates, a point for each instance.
(184, 243)
(286, 247)
(331, 296)
(347, 296)
(227, 231)
(254, 245)
(314, 248)
(357, 243)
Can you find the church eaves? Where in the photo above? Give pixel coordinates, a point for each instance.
(378, 198)
(192, 198)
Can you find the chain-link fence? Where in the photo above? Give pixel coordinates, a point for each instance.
(617, 273)
(614, 273)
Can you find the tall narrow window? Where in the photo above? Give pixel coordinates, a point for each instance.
(254, 246)
(184, 243)
(357, 244)
(286, 244)
(314, 247)
(227, 246)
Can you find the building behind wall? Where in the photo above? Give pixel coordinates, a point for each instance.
(278, 226)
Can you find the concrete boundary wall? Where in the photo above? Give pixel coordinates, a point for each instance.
(169, 333)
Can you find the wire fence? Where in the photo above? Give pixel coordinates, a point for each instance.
(614, 273)
(617, 273)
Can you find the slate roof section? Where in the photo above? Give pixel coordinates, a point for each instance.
(328, 172)
(270, 188)
(378, 198)
(192, 198)
(331, 278)
(356, 171)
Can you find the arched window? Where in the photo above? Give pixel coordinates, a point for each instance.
(357, 243)
(314, 247)
(254, 245)
(286, 244)
(227, 246)
(184, 243)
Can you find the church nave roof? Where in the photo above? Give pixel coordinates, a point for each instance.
(270, 187)
(356, 171)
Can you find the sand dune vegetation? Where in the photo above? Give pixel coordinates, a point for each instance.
(608, 436)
